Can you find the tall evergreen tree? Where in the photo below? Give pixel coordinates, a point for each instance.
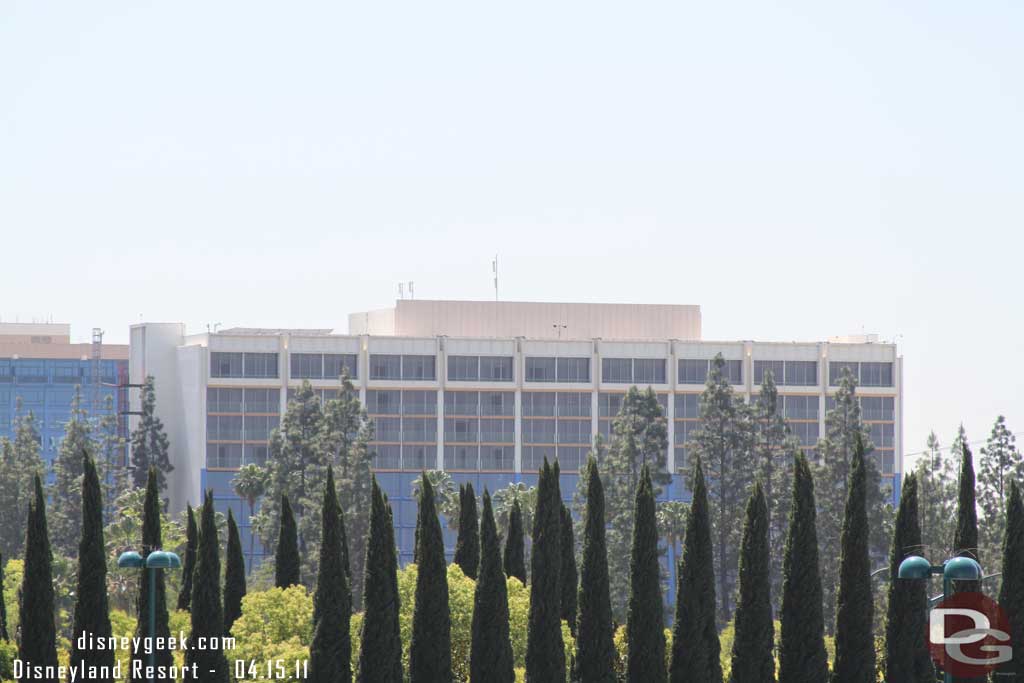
(595, 645)
(92, 613)
(1000, 463)
(286, 560)
(752, 658)
(431, 647)
(568, 573)
(1011, 592)
(66, 493)
(207, 609)
(965, 540)
(189, 561)
(515, 544)
(4, 633)
(38, 643)
(490, 659)
(645, 626)
(234, 575)
(467, 547)
(855, 642)
(695, 645)
(150, 447)
(936, 485)
(723, 442)
(20, 462)
(545, 652)
(330, 654)
(152, 539)
(380, 654)
(906, 652)
(802, 657)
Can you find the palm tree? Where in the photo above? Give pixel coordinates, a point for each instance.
(251, 483)
(503, 499)
(445, 496)
(672, 516)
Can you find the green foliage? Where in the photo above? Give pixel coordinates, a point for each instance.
(695, 645)
(275, 623)
(802, 656)
(380, 642)
(965, 541)
(20, 462)
(207, 609)
(13, 575)
(5, 633)
(38, 638)
(66, 492)
(752, 658)
(234, 575)
(1000, 463)
(189, 561)
(936, 484)
(505, 498)
(286, 561)
(149, 442)
(250, 484)
(467, 546)
(645, 624)
(331, 650)
(567, 574)
(1011, 592)
(430, 650)
(491, 648)
(545, 654)
(515, 544)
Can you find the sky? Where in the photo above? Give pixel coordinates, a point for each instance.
(800, 170)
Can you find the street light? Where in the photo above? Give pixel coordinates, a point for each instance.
(916, 567)
(154, 561)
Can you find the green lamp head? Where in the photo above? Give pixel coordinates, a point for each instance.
(131, 560)
(915, 567)
(962, 569)
(161, 559)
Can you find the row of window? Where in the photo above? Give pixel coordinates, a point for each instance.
(801, 373)
(871, 407)
(225, 400)
(243, 364)
(474, 368)
(234, 428)
(234, 455)
(866, 374)
(323, 365)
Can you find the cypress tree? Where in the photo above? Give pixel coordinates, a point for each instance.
(515, 544)
(1011, 593)
(286, 560)
(152, 539)
(545, 652)
(207, 609)
(380, 654)
(188, 564)
(695, 646)
(330, 653)
(430, 652)
(490, 659)
(752, 657)
(855, 642)
(467, 548)
(38, 645)
(965, 542)
(645, 626)
(802, 657)
(906, 652)
(92, 613)
(234, 575)
(4, 634)
(595, 644)
(569, 577)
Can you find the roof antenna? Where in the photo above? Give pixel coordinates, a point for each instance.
(494, 268)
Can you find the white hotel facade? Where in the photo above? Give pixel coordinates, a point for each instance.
(485, 390)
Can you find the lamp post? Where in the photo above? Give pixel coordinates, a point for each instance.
(916, 567)
(153, 562)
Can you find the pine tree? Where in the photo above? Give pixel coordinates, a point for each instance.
(21, 462)
(149, 442)
(38, 643)
(152, 539)
(380, 654)
(695, 645)
(467, 547)
(802, 657)
(286, 560)
(66, 493)
(491, 652)
(1000, 463)
(1011, 593)
(568, 573)
(234, 575)
(4, 633)
(752, 658)
(189, 562)
(207, 609)
(515, 544)
(855, 643)
(723, 443)
(936, 485)
(645, 627)
(545, 653)
(595, 646)
(330, 654)
(431, 647)
(92, 613)
(906, 652)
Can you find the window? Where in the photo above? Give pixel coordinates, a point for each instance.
(573, 404)
(255, 454)
(609, 404)
(571, 458)
(334, 363)
(383, 402)
(259, 427)
(497, 458)
(496, 368)
(835, 372)
(30, 372)
(419, 458)
(262, 365)
(388, 457)
(307, 365)
(538, 404)
(776, 367)
(684, 432)
(733, 371)
(806, 432)
(888, 460)
(540, 369)
(460, 429)
(261, 400)
(877, 407)
(418, 367)
(801, 373)
(533, 458)
(385, 366)
(500, 403)
(224, 427)
(419, 403)
(538, 431)
(687, 405)
(463, 368)
(223, 455)
(497, 431)
(882, 434)
(225, 364)
(799, 407)
(67, 374)
(461, 402)
(876, 374)
(617, 370)
(649, 370)
(223, 400)
(693, 371)
(461, 457)
(419, 429)
(388, 428)
(574, 431)
(573, 369)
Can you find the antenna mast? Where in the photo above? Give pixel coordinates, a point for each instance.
(494, 268)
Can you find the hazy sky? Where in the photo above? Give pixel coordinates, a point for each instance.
(799, 172)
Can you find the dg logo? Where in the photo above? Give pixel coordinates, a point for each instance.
(969, 635)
